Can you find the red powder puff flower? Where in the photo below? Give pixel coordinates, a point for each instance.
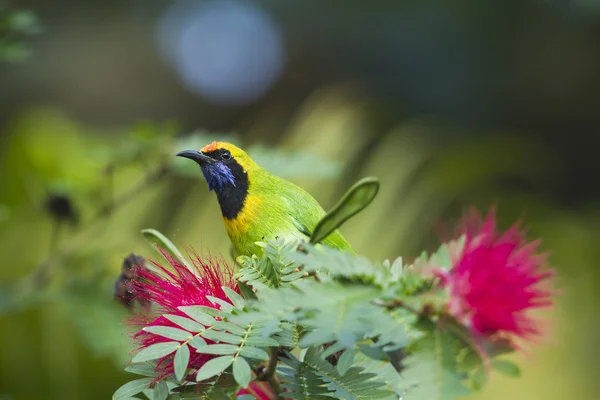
(495, 280)
(172, 288)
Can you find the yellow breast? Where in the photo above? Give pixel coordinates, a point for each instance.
(248, 216)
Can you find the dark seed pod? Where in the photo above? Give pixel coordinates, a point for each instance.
(61, 207)
(125, 288)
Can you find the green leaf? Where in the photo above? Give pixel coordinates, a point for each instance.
(261, 342)
(373, 351)
(161, 391)
(246, 291)
(293, 276)
(145, 369)
(431, 371)
(218, 336)
(229, 327)
(237, 300)
(441, 258)
(340, 314)
(384, 371)
(131, 388)
(157, 239)
(478, 378)
(220, 387)
(180, 363)
(506, 367)
(149, 393)
(245, 397)
(185, 323)
(241, 372)
(289, 336)
(169, 332)
(396, 269)
(334, 348)
(356, 199)
(155, 351)
(225, 306)
(214, 367)
(345, 361)
(253, 352)
(199, 314)
(197, 342)
(218, 349)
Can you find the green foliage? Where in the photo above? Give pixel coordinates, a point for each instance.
(383, 369)
(270, 271)
(180, 361)
(432, 370)
(132, 388)
(241, 371)
(15, 27)
(329, 264)
(315, 378)
(221, 387)
(155, 351)
(347, 291)
(215, 366)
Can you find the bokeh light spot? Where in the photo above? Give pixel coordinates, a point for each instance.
(228, 52)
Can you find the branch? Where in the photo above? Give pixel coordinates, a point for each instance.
(269, 373)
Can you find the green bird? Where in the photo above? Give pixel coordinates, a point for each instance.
(256, 204)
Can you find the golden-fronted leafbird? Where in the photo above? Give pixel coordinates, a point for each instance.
(256, 204)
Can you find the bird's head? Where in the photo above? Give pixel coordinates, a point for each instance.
(223, 165)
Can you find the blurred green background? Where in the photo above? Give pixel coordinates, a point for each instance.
(450, 104)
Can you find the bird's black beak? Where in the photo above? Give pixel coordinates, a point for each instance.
(196, 155)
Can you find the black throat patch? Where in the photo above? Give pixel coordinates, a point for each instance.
(231, 198)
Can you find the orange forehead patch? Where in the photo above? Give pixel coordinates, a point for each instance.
(210, 147)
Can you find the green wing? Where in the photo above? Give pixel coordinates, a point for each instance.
(289, 210)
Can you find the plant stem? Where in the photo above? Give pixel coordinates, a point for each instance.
(270, 372)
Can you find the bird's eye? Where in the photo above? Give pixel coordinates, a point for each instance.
(226, 155)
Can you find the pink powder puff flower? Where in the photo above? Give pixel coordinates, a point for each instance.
(496, 280)
(172, 288)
